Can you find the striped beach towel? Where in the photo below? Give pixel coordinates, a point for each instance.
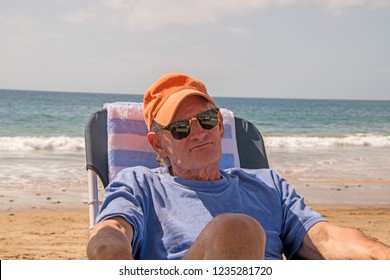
(128, 145)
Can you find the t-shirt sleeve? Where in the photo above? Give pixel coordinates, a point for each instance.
(124, 197)
(298, 218)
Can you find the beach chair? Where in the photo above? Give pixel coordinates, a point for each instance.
(115, 138)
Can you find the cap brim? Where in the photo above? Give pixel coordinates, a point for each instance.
(169, 108)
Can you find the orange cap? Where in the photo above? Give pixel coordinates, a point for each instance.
(162, 99)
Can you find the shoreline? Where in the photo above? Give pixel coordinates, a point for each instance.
(58, 233)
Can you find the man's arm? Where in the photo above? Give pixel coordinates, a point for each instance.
(111, 239)
(327, 241)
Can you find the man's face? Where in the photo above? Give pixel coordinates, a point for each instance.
(201, 149)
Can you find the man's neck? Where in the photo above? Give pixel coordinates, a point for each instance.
(205, 174)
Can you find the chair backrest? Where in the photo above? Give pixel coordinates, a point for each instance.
(250, 145)
(127, 134)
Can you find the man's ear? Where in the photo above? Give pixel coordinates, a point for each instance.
(154, 141)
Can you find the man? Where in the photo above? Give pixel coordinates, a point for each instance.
(190, 209)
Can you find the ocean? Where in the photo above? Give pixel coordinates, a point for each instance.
(340, 145)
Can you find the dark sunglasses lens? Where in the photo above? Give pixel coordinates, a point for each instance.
(180, 130)
(208, 120)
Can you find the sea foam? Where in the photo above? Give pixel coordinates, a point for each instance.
(76, 144)
(356, 140)
(40, 143)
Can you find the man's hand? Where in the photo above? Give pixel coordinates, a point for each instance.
(327, 241)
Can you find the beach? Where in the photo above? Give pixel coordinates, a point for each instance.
(44, 215)
(44, 210)
(53, 225)
(62, 233)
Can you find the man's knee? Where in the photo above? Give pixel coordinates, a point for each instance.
(229, 236)
(238, 236)
(238, 224)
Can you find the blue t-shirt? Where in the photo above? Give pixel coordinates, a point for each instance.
(168, 213)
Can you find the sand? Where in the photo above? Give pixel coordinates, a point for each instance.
(43, 233)
(62, 233)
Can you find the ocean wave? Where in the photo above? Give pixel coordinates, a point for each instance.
(357, 140)
(38, 143)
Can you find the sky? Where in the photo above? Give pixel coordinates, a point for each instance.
(317, 49)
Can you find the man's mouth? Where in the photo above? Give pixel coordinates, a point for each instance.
(199, 146)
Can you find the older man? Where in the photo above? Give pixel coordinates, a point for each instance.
(190, 209)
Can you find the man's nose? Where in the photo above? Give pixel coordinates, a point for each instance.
(196, 128)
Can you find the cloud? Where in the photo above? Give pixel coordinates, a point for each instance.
(340, 7)
(17, 29)
(80, 16)
(154, 14)
(17, 22)
(238, 31)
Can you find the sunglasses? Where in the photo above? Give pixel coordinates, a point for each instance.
(181, 129)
